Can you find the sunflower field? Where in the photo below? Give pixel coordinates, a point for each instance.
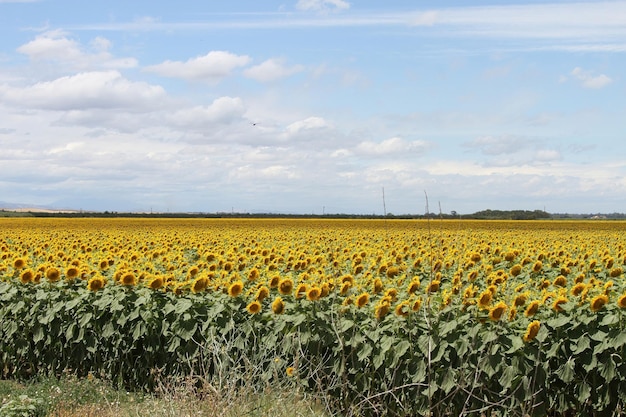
(384, 317)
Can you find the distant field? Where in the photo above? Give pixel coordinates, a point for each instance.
(366, 316)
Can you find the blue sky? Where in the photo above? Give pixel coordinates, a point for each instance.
(313, 106)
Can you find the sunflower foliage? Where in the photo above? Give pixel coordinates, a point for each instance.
(498, 320)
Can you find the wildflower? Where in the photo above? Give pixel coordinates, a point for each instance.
(496, 312)
(598, 302)
(235, 289)
(290, 371)
(313, 294)
(278, 306)
(532, 330)
(96, 283)
(362, 300)
(254, 307)
(532, 308)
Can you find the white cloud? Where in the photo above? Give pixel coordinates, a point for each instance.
(211, 67)
(87, 90)
(588, 80)
(498, 145)
(308, 124)
(56, 46)
(221, 110)
(391, 146)
(322, 5)
(272, 70)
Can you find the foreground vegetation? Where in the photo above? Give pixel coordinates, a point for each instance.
(361, 317)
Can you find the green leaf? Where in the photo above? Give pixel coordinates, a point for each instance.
(447, 327)
(566, 371)
(507, 377)
(583, 344)
(559, 321)
(609, 319)
(183, 305)
(364, 352)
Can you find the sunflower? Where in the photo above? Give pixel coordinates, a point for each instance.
(285, 287)
(520, 300)
(413, 286)
(496, 312)
(515, 270)
(381, 310)
(96, 283)
(262, 293)
(416, 304)
(313, 294)
(156, 283)
(254, 274)
(301, 290)
(615, 272)
(254, 307)
(560, 281)
(278, 306)
(402, 309)
(532, 330)
(598, 302)
(345, 287)
(378, 285)
(433, 286)
(621, 301)
(347, 278)
(128, 279)
(532, 308)
(53, 274)
(485, 298)
(556, 306)
(274, 281)
(362, 300)
(235, 289)
(538, 266)
(578, 289)
(199, 284)
(19, 263)
(27, 276)
(71, 273)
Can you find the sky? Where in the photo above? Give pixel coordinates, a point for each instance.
(313, 106)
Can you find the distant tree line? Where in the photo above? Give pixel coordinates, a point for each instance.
(479, 215)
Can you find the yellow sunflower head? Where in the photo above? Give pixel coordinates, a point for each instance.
(254, 307)
(278, 306)
(285, 286)
(313, 294)
(598, 302)
(532, 330)
(362, 300)
(496, 312)
(96, 283)
(235, 289)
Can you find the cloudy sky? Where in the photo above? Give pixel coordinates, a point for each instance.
(313, 106)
